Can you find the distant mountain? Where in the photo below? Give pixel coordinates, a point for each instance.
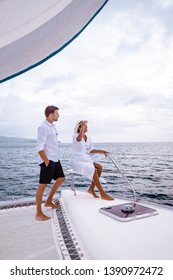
(4, 139)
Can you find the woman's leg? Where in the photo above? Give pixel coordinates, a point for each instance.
(99, 168)
(98, 185)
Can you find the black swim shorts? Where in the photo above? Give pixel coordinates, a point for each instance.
(52, 171)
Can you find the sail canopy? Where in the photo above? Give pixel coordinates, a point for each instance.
(33, 31)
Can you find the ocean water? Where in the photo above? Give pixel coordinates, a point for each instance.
(148, 167)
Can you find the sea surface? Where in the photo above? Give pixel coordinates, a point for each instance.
(147, 166)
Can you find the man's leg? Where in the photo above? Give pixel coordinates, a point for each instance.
(39, 195)
(55, 186)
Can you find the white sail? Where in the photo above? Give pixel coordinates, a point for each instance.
(33, 31)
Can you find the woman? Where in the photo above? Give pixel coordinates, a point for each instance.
(81, 161)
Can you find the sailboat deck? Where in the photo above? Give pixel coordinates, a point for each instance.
(78, 230)
(23, 237)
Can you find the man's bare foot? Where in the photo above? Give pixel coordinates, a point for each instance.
(42, 217)
(93, 193)
(51, 204)
(105, 196)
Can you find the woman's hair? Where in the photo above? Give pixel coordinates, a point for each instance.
(50, 110)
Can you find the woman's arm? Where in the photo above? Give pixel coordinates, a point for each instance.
(81, 132)
(100, 152)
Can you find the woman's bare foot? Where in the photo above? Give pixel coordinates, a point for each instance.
(105, 196)
(42, 217)
(93, 193)
(50, 204)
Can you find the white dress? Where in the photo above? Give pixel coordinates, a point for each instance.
(81, 160)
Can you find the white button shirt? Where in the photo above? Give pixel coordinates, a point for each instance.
(47, 141)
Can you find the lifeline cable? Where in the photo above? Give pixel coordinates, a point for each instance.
(123, 176)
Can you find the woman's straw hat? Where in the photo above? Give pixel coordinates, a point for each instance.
(77, 125)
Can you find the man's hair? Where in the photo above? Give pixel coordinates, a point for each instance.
(50, 110)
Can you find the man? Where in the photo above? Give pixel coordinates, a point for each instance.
(50, 166)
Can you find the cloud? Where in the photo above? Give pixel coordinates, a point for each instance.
(117, 74)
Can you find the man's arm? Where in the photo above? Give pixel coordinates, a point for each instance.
(41, 140)
(42, 154)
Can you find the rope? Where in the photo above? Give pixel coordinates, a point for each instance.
(65, 236)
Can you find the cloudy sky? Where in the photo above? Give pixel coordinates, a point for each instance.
(118, 74)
